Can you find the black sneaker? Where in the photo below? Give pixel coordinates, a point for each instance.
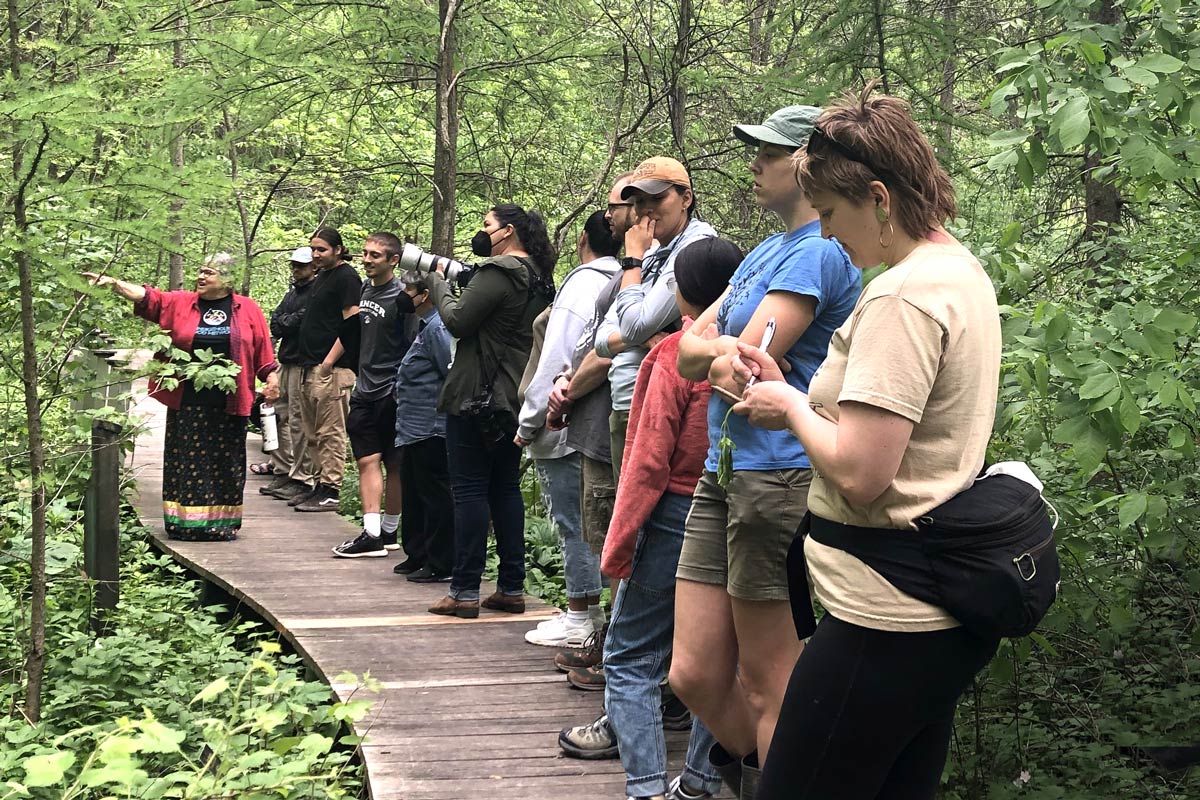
(278, 483)
(302, 494)
(389, 540)
(325, 498)
(426, 575)
(675, 715)
(365, 546)
(406, 566)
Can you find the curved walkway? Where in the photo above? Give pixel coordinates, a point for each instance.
(466, 708)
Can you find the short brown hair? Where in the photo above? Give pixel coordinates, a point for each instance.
(862, 139)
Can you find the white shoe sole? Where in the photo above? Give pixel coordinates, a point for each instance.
(370, 554)
(540, 638)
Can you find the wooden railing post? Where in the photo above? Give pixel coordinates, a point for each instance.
(102, 522)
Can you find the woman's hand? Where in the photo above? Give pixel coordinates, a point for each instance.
(96, 279)
(271, 389)
(130, 291)
(769, 405)
(750, 362)
(639, 238)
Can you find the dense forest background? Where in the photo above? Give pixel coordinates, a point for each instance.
(135, 137)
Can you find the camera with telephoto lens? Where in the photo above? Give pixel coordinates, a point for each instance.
(415, 259)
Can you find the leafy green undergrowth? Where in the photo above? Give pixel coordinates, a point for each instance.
(171, 702)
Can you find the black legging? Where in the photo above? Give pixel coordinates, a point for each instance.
(868, 714)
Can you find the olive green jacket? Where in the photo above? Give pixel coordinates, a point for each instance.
(492, 319)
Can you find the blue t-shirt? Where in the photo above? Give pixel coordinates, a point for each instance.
(803, 263)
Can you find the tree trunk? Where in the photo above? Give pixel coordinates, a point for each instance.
(1102, 200)
(761, 14)
(243, 215)
(35, 662)
(173, 221)
(445, 149)
(881, 46)
(949, 80)
(677, 98)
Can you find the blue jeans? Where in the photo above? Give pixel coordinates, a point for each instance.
(560, 482)
(487, 483)
(635, 659)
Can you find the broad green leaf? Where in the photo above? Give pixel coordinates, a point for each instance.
(212, 690)
(1117, 85)
(1008, 138)
(1072, 122)
(1091, 51)
(1098, 385)
(1090, 448)
(1131, 509)
(1011, 234)
(1161, 63)
(1056, 329)
(1129, 414)
(1003, 160)
(1141, 76)
(47, 769)
(1175, 320)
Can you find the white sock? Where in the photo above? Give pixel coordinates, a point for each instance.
(577, 618)
(391, 522)
(371, 524)
(596, 613)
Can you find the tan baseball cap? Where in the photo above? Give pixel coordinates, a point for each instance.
(655, 175)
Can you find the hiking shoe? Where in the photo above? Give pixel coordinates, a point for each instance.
(279, 482)
(595, 740)
(675, 715)
(325, 498)
(389, 540)
(406, 566)
(365, 546)
(449, 607)
(426, 575)
(589, 679)
(678, 790)
(301, 494)
(512, 603)
(591, 654)
(560, 632)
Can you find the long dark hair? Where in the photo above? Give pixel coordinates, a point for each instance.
(332, 238)
(531, 230)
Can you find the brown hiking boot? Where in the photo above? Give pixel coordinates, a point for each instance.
(591, 654)
(448, 606)
(513, 604)
(590, 679)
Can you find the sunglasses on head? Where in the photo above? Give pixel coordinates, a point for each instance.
(820, 140)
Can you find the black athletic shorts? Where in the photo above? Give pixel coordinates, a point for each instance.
(371, 426)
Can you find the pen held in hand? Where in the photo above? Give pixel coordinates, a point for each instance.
(768, 335)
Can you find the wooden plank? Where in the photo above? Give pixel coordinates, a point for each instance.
(461, 708)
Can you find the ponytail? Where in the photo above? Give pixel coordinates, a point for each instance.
(531, 230)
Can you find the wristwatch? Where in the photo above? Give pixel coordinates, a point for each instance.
(631, 263)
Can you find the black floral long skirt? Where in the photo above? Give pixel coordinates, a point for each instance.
(204, 474)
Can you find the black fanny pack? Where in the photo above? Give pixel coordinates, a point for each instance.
(986, 556)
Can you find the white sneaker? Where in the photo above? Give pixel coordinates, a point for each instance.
(554, 623)
(558, 632)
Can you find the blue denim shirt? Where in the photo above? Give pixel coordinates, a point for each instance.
(419, 382)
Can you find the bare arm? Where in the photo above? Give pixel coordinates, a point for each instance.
(130, 291)
(592, 372)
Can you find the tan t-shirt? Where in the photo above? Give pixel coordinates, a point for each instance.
(923, 342)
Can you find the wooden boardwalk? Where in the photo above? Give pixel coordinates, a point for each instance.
(467, 708)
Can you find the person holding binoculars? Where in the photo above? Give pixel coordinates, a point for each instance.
(492, 318)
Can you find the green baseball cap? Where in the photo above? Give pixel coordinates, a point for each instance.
(787, 127)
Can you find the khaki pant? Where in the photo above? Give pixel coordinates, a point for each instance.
(325, 403)
(291, 457)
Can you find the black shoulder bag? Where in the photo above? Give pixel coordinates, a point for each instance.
(986, 555)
